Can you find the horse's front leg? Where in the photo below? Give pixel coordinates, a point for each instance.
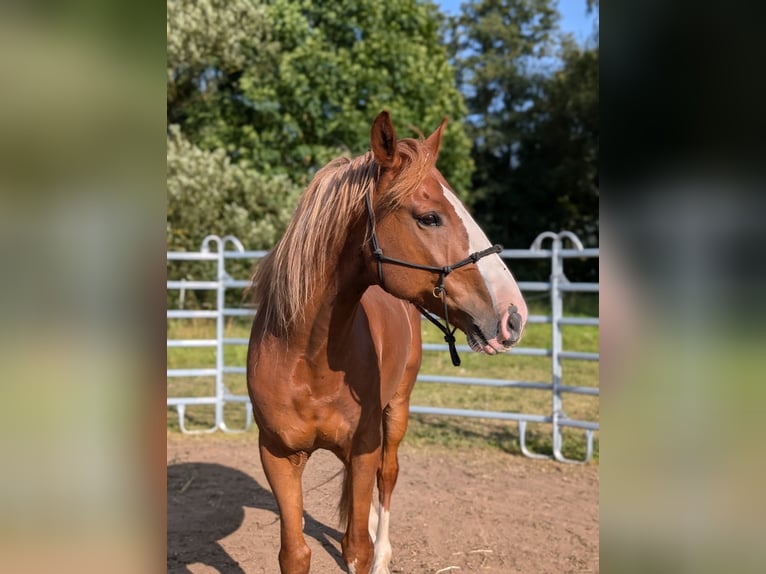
(395, 419)
(357, 545)
(284, 474)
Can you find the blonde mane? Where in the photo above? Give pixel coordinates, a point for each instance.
(288, 278)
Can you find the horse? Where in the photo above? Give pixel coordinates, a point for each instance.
(335, 346)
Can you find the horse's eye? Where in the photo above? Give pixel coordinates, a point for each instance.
(430, 219)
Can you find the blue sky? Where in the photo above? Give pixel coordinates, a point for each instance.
(574, 18)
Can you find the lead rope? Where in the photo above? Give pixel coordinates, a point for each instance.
(440, 290)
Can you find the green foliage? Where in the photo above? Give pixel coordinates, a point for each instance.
(210, 189)
(563, 144)
(343, 61)
(287, 85)
(208, 194)
(222, 34)
(548, 177)
(496, 43)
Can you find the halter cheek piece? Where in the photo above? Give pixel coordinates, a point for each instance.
(440, 290)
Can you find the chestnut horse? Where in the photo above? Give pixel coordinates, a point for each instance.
(335, 346)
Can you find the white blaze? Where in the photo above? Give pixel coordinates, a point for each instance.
(496, 275)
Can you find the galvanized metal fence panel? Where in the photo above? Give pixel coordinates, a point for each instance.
(214, 249)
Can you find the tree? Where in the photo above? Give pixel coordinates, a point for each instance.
(534, 122)
(496, 44)
(552, 179)
(209, 191)
(287, 85)
(208, 194)
(564, 146)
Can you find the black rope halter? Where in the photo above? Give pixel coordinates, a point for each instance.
(440, 290)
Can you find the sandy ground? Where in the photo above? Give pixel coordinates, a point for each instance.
(453, 511)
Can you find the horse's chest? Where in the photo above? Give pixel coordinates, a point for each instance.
(314, 410)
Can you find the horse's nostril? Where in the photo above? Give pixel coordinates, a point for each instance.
(514, 324)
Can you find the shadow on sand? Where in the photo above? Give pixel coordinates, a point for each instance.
(206, 503)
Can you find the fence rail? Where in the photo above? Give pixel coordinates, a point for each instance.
(214, 248)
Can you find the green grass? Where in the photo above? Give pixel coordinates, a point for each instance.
(428, 430)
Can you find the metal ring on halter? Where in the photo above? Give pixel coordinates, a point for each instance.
(438, 292)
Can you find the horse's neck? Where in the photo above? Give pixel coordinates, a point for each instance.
(330, 318)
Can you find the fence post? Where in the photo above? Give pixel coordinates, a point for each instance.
(224, 276)
(219, 325)
(537, 245)
(557, 304)
(558, 278)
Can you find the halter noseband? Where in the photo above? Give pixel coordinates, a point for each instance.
(440, 290)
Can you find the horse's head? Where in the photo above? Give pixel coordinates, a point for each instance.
(421, 222)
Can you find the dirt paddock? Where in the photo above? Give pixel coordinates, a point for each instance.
(453, 511)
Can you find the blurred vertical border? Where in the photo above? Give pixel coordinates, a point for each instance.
(683, 277)
(82, 196)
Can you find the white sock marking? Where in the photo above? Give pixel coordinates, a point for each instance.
(382, 545)
(372, 523)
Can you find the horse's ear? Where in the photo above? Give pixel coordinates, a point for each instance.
(383, 140)
(435, 139)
